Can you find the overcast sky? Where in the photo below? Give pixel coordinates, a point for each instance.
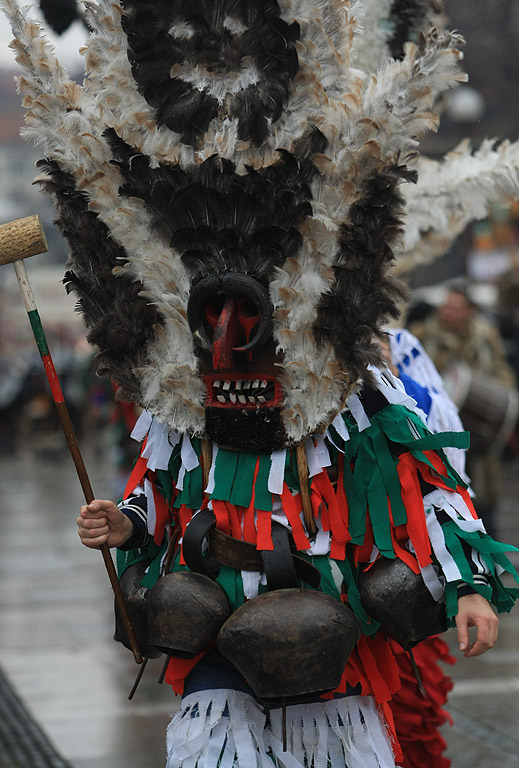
(66, 46)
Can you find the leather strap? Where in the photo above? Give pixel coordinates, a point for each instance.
(277, 563)
(282, 568)
(233, 552)
(196, 531)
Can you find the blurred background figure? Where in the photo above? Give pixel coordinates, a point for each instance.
(467, 349)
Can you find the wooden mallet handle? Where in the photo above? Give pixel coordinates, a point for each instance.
(18, 240)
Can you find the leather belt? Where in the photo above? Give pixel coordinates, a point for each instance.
(282, 568)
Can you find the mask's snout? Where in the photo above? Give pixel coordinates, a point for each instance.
(229, 314)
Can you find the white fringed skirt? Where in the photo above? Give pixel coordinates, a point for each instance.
(225, 728)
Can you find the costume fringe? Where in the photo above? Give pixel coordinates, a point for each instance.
(417, 718)
(229, 729)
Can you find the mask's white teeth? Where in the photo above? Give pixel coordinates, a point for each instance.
(246, 384)
(264, 383)
(255, 384)
(261, 399)
(221, 399)
(242, 399)
(237, 384)
(227, 385)
(233, 397)
(216, 383)
(252, 400)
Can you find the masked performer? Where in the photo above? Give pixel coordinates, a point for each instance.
(229, 185)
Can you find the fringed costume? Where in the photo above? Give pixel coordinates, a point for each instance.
(230, 178)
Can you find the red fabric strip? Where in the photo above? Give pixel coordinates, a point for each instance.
(264, 529)
(137, 473)
(413, 501)
(179, 669)
(249, 527)
(292, 510)
(222, 516)
(234, 520)
(399, 534)
(161, 515)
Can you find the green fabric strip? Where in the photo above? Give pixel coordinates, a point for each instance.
(225, 470)
(389, 475)
(379, 514)
(263, 497)
(241, 492)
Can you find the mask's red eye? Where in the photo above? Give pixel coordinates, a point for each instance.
(248, 316)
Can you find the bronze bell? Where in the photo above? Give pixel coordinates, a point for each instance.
(136, 599)
(397, 597)
(291, 645)
(185, 612)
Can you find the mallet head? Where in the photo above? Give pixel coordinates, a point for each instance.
(21, 238)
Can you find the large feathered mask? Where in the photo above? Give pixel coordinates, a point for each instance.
(228, 178)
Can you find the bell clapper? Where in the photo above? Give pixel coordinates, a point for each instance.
(284, 724)
(138, 678)
(417, 673)
(163, 673)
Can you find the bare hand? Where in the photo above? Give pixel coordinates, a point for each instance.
(475, 611)
(102, 522)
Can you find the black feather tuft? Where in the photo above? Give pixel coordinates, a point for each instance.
(59, 14)
(219, 220)
(165, 35)
(120, 322)
(365, 295)
(409, 17)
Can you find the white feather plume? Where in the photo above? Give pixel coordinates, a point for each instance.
(454, 191)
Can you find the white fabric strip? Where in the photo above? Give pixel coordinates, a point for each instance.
(312, 458)
(180, 478)
(341, 427)
(189, 457)
(142, 426)
(432, 582)
(154, 437)
(152, 514)
(322, 452)
(447, 562)
(277, 471)
(394, 392)
(210, 481)
(358, 412)
(251, 581)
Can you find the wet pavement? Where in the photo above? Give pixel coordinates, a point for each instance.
(56, 626)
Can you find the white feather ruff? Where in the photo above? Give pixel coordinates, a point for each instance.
(369, 122)
(454, 191)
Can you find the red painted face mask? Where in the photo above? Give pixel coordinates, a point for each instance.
(231, 319)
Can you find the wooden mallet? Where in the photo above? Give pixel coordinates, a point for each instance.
(18, 240)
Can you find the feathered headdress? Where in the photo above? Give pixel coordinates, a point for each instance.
(230, 180)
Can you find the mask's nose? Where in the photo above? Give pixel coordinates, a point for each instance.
(228, 314)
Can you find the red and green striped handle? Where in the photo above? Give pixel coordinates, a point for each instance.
(18, 240)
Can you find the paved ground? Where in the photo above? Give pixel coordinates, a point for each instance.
(56, 628)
